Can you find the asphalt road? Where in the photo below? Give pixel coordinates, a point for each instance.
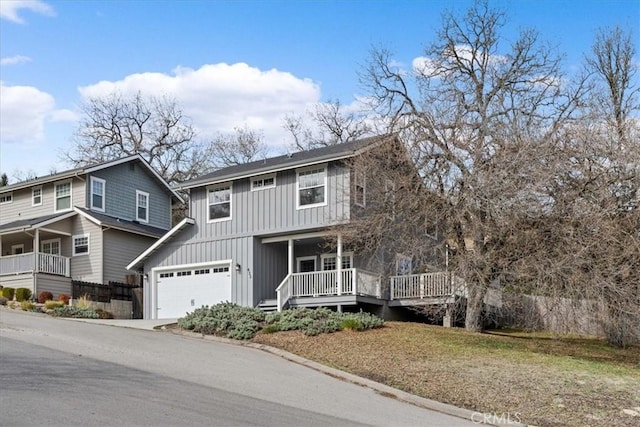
(56, 372)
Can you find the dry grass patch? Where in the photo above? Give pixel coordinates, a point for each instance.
(548, 381)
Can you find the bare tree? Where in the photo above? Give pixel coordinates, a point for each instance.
(481, 121)
(242, 146)
(327, 124)
(115, 126)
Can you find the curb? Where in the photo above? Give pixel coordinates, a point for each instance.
(475, 417)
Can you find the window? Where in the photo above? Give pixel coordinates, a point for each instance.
(263, 182)
(81, 244)
(312, 184)
(220, 269)
(183, 273)
(17, 249)
(51, 247)
(142, 206)
(36, 196)
(329, 261)
(306, 264)
(97, 193)
(200, 272)
(6, 198)
(360, 188)
(63, 196)
(165, 275)
(220, 203)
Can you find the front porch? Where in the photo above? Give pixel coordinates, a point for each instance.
(35, 262)
(425, 289)
(335, 288)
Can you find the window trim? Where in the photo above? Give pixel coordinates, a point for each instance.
(223, 186)
(9, 196)
(73, 244)
(33, 196)
(262, 178)
(307, 258)
(17, 246)
(360, 180)
(146, 195)
(324, 169)
(335, 255)
(56, 198)
(43, 242)
(103, 195)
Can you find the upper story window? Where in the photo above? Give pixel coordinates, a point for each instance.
(97, 193)
(6, 198)
(142, 206)
(263, 182)
(80, 244)
(360, 190)
(219, 201)
(312, 186)
(36, 196)
(62, 191)
(51, 247)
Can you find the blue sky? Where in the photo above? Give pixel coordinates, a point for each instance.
(228, 63)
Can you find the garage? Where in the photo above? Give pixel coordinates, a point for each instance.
(181, 290)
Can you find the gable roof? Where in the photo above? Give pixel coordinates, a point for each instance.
(186, 221)
(89, 169)
(287, 161)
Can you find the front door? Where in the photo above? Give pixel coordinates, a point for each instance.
(51, 247)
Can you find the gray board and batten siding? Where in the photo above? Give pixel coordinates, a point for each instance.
(121, 183)
(255, 214)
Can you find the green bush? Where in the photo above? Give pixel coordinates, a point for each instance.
(8, 293)
(27, 305)
(225, 319)
(23, 294)
(77, 312)
(45, 296)
(50, 305)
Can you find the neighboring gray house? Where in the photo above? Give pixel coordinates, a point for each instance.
(83, 224)
(256, 236)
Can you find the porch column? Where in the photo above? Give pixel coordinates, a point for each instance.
(36, 246)
(290, 255)
(339, 264)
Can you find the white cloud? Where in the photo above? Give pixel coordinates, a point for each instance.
(13, 60)
(9, 9)
(24, 111)
(219, 97)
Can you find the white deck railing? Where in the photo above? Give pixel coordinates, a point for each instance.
(325, 283)
(29, 262)
(425, 285)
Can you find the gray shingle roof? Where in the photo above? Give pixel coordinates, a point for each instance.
(287, 161)
(123, 224)
(30, 222)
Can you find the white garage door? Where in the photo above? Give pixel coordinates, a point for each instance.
(182, 290)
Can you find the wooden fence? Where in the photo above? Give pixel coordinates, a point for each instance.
(112, 291)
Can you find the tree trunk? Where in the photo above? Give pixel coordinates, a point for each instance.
(475, 298)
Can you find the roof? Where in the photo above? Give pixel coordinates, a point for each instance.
(89, 169)
(287, 161)
(120, 224)
(38, 222)
(160, 242)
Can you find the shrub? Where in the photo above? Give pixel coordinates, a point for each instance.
(45, 296)
(50, 305)
(104, 314)
(64, 298)
(27, 305)
(3, 301)
(8, 293)
(23, 294)
(74, 311)
(83, 302)
(225, 319)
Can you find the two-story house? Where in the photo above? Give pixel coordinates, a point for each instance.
(257, 234)
(82, 224)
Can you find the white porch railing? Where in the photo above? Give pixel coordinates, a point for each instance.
(39, 263)
(425, 285)
(325, 283)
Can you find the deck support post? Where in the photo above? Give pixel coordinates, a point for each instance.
(339, 308)
(290, 256)
(339, 266)
(447, 320)
(36, 261)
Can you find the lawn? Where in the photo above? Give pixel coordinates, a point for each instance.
(539, 379)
